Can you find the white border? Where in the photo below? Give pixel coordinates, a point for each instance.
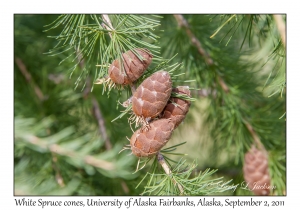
(8, 8)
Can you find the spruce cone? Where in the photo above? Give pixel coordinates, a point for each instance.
(152, 95)
(177, 108)
(256, 172)
(146, 143)
(133, 67)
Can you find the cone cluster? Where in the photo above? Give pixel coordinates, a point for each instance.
(153, 108)
(148, 142)
(256, 172)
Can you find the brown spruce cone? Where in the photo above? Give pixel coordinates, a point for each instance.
(152, 95)
(133, 67)
(256, 172)
(177, 108)
(146, 143)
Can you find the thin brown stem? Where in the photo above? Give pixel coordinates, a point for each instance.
(255, 136)
(29, 79)
(281, 27)
(96, 109)
(101, 125)
(162, 162)
(223, 84)
(184, 24)
(97, 112)
(207, 58)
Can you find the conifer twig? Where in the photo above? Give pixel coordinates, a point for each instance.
(160, 158)
(102, 129)
(95, 109)
(28, 77)
(101, 124)
(162, 162)
(97, 114)
(209, 61)
(255, 136)
(183, 23)
(281, 27)
(110, 27)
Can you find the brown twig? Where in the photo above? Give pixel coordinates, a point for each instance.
(29, 79)
(97, 114)
(96, 109)
(101, 125)
(209, 61)
(281, 27)
(255, 136)
(184, 24)
(162, 162)
(223, 84)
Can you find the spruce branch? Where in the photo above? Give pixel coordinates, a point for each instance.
(162, 162)
(182, 22)
(100, 118)
(281, 27)
(185, 175)
(101, 124)
(110, 27)
(29, 79)
(96, 109)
